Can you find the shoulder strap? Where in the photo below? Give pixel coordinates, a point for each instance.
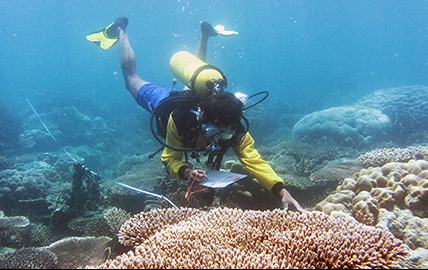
(177, 100)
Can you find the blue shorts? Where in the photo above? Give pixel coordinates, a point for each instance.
(150, 95)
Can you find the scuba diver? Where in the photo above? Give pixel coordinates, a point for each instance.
(210, 119)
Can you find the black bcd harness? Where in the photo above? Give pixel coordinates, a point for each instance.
(181, 104)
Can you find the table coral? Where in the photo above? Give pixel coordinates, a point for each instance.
(233, 238)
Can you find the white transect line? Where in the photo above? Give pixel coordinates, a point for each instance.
(49, 131)
(148, 193)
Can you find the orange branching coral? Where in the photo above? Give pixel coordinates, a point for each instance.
(233, 238)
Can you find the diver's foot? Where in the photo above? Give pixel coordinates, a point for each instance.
(208, 30)
(113, 30)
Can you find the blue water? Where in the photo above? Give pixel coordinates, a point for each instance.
(330, 51)
(311, 55)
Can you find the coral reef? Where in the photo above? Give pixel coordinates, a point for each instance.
(380, 157)
(233, 238)
(336, 172)
(128, 162)
(33, 235)
(412, 230)
(83, 199)
(5, 163)
(393, 197)
(18, 232)
(417, 259)
(95, 226)
(34, 140)
(29, 258)
(169, 185)
(303, 158)
(350, 125)
(406, 107)
(121, 197)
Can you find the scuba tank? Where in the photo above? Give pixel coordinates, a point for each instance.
(200, 77)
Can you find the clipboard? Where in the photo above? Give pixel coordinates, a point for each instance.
(221, 179)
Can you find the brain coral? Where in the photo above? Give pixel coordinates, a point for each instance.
(406, 107)
(233, 238)
(356, 123)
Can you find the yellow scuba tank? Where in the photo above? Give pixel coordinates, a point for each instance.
(200, 77)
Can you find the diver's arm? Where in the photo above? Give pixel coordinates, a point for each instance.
(264, 173)
(252, 160)
(173, 159)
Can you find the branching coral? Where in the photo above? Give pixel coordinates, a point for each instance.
(233, 238)
(306, 158)
(146, 224)
(115, 218)
(129, 161)
(29, 258)
(380, 157)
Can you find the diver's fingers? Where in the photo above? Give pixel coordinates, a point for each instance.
(286, 205)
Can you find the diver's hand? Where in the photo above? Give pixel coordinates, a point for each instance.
(287, 198)
(190, 174)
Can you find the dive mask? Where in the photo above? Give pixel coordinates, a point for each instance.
(211, 131)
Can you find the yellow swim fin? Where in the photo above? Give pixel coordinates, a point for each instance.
(220, 30)
(100, 38)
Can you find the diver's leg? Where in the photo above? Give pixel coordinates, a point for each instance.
(128, 63)
(206, 31)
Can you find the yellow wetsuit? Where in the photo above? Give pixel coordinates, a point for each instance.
(247, 155)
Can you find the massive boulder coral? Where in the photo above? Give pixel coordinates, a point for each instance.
(233, 238)
(404, 225)
(349, 124)
(406, 107)
(395, 183)
(16, 185)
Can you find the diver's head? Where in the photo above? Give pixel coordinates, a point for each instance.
(208, 80)
(220, 115)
